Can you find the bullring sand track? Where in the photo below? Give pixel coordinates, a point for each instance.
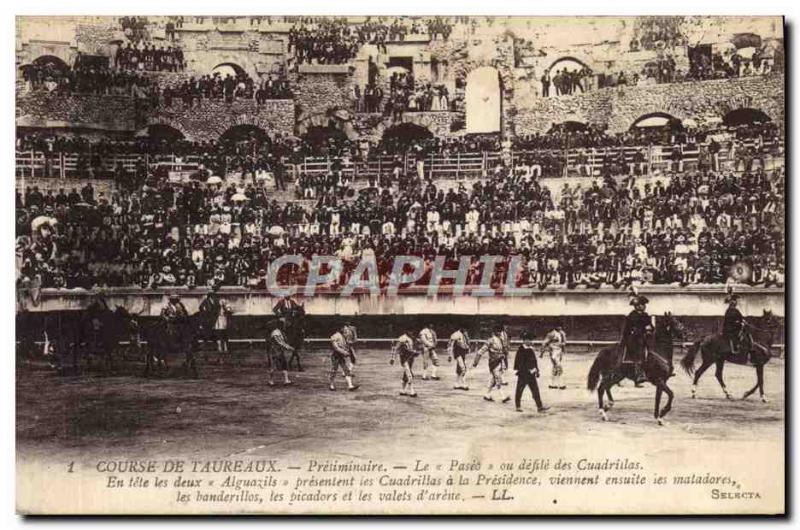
(230, 411)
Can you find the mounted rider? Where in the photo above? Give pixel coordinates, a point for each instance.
(638, 325)
(287, 307)
(291, 313)
(97, 309)
(97, 312)
(174, 310)
(733, 325)
(172, 314)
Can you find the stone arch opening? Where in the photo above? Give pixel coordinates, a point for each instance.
(245, 138)
(569, 63)
(228, 69)
(655, 120)
(162, 132)
(51, 62)
(484, 100)
(403, 136)
(745, 116)
(656, 128)
(324, 139)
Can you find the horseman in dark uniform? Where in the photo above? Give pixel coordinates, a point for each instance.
(97, 312)
(292, 313)
(287, 307)
(638, 325)
(173, 314)
(733, 325)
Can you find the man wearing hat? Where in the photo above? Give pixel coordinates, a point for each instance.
(218, 310)
(494, 346)
(634, 336)
(404, 349)
(277, 347)
(555, 343)
(733, 323)
(342, 355)
(458, 348)
(172, 313)
(527, 372)
(174, 308)
(428, 340)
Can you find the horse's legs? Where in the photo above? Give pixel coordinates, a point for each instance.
(718, 374)
(760, 374)
(668, 406)
(610, 397)
(759, 383)
(659, 390)
(295, 357)
(700, 371)
(189, 363)
(601, 389)
(148, 360)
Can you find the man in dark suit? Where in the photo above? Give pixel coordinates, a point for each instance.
(638, 325)
(527, 371)
(733, 324)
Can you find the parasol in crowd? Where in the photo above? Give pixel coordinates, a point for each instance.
(239, 197)
(265, 176)
(42, 220)
(214, 180)
(276, 231)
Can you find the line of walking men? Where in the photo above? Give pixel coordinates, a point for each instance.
(497, 347)
(412, 344)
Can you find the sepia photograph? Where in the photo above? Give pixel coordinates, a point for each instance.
(400, 265)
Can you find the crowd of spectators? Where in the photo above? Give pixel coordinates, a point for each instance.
(88, 80)
(405, 95)
(135, 28)
(566, 82)
(146, 56)
(228, 88)
(337, 41)
(686, 228)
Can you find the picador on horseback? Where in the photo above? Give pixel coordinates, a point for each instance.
(172, 315)
(292, 314)
(635, 333)
(733, 326)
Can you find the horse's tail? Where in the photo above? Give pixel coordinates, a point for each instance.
(688, 360)
(594, 372)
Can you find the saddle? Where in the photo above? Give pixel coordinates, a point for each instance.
(743, 355)
(624, 359)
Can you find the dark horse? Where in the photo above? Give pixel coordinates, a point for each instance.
(608, 369)
(96, 335)
(171, 338)
(715, 349)
(295, 331)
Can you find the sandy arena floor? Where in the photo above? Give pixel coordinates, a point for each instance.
(231, 411)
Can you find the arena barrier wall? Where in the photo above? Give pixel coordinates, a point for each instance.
(590, 319)
(690, 301)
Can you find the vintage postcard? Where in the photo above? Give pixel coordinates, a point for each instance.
(400, 265)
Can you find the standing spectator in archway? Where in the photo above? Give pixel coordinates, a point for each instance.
(546, 84)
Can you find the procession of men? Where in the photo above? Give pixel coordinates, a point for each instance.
(423, 342)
